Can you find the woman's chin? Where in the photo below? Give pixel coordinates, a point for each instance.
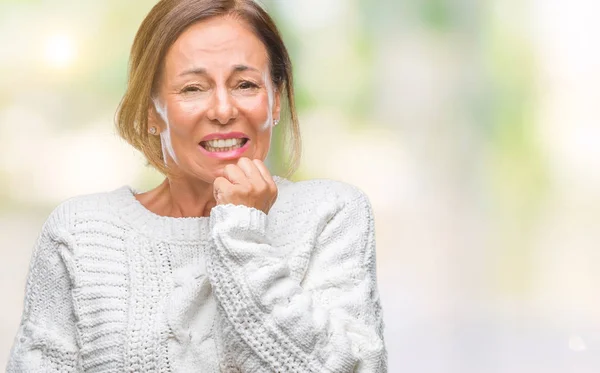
(219, 172)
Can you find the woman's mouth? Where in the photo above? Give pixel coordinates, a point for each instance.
(223, 145)
(225, 149)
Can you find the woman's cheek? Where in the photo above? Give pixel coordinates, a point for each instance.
(190, 110)
(258, 111)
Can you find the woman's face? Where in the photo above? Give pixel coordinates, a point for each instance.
(215, 83)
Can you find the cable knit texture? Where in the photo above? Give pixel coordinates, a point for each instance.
(113, 287)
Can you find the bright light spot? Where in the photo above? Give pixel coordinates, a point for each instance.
(576, 343)
(60, 50)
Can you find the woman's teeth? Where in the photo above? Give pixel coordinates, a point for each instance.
(223, 145)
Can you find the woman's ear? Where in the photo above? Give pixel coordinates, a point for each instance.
(155, 121)
(276, 106)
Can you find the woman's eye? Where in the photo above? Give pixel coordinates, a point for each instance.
(247, 85)
(190, 89)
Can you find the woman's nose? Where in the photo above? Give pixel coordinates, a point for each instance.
(222, 108)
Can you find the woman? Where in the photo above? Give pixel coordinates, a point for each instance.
(222, 267)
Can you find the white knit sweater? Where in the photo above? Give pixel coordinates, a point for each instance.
(113, 287)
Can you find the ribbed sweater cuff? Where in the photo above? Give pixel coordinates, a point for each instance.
(241, 218)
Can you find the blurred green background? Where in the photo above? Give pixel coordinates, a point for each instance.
(473, 126)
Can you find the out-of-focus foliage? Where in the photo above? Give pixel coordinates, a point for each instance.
(472, 126)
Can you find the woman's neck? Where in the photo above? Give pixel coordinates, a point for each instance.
(179, 198)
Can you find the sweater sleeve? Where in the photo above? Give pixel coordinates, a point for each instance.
(46, 340)
(329, 321)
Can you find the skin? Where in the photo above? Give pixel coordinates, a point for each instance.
(215, 78)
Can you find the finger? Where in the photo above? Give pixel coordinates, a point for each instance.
(220, 187)
(248, 167)
(264, 172)
(235, 174)
(266, 175)
(253, 173)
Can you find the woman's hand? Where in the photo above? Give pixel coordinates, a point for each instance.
(247, 183)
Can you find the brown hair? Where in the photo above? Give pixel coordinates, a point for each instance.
(159, 30)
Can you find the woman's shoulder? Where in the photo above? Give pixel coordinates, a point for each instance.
(68, 213)
(321, 199)
(320, 190)
(333, 210)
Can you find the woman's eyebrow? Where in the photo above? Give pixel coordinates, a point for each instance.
(202, 71)
(194, 71)
(239, 68)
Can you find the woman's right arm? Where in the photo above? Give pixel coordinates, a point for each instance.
(46, 339)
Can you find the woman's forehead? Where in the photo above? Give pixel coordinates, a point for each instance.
(221, 42)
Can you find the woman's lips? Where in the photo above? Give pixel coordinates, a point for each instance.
(230, 154)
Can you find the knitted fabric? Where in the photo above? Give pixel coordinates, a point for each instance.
(113, 287)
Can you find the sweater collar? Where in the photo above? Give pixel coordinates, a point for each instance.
(162, 227)
(150, 224)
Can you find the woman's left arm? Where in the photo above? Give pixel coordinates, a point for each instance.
(330, 321)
